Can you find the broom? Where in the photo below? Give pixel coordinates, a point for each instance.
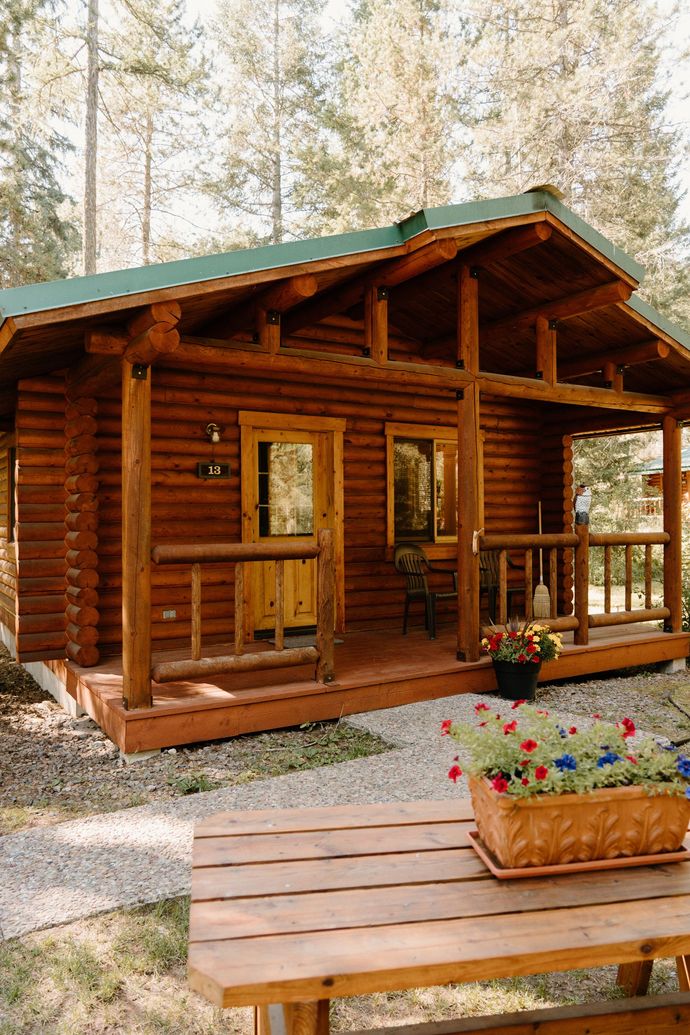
(541, 607)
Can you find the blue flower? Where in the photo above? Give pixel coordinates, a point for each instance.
(562, 732)
(608, 759)
(683, 765)
(687, 792)
(565, 762)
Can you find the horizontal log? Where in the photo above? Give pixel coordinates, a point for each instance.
(559, 309)
(47, 585)
(81, 483)
(81, 521)
(649, 614)
(83, 635)
(83, 578)
(40, 531)
(81, 444)
(168, 672)
(39, 623)
(81, 559)
(30, 643)
(86, 657)
(82, 501)
(42, 604)
(80, 408)
(34, 550)
(84, 463)
(76, 614)
(151, 344)
(106, 340)
(628, 538)
(167, 313)
(645, 352)
(526, 542)
(502, 245)
(81, 596)
(83, 425)
(215, 553)
(92, 376)
(81, 540)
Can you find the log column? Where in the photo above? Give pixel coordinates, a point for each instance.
(81, 531)
(469, 507)
(673, 522)
(154, 334)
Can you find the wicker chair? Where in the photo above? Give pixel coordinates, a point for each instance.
(411, 562)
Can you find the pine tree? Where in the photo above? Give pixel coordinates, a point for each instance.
(568, 94)
(36, 241)
(273, 99)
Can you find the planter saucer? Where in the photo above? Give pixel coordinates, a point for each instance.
(508, 873)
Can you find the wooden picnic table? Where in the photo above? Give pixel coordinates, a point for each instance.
(301, 906)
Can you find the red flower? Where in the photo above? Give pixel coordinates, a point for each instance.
(513, 635)
(524, 781)
(445, 727)
(631, 758)
(522, 658)
(629, 727)
(573, 729)
(596, 715)
(528, 746)
(524, 762)
(499, 784)
(531, 649)
(454, 772)
(510, 727)
(540, 712)
(517, 704)
(536, 659)
(541, 772)
(480, 724)
(481, 707)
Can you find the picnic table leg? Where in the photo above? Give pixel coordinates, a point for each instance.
(683, 968)
(634, 977)
(310, 1018)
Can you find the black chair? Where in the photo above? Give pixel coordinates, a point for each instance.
(489, 580)
(411, 562)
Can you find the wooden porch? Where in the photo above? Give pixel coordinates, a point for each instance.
(372, 671)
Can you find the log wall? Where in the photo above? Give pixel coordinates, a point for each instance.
(186, 509)
(8, 566)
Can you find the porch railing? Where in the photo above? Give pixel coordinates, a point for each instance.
(580, 543)
(241, 554)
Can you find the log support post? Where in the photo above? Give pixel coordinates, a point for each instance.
(546, 350)
(582, 584)
(325, 606)
(469, 509)
(468, 319)
(673, 522)
(612, 376)
(376, 323)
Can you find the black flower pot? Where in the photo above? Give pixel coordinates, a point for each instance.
(517, 680)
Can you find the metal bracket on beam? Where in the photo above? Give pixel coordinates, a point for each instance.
(273, 317)
(474, 272)
(139, 371)
(381, 294)
(460, 394)
(366, 351)
(539, 375)
(460, 364)
(620, 369)
(607, 384)
(553, 325)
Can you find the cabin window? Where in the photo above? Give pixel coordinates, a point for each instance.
(286, 488)
(422, 485)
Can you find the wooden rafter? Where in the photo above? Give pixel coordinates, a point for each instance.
(559, 309)
(502, 246)
(279, 298)
(645, 352)
(386, 275)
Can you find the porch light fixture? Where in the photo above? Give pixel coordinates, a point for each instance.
(213, 431)
(583, 501)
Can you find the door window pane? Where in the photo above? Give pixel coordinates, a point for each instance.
(286, 488)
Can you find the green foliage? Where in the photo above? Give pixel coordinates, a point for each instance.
(193, 783)
(526, 643)
(528, 752)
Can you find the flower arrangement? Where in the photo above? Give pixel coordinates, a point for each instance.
(531, 753)
(531, 643)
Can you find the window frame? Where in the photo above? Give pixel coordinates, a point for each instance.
(434, 433)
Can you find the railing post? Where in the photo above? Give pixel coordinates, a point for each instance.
(673, 520)
(582, 584)
(469, 492)
(196, 612)
(325, 606)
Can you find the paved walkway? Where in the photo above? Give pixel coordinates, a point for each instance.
(58, 874)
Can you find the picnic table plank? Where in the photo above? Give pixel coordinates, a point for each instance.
(377, 906)
(290, 968)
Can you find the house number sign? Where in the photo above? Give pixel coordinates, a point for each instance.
(210, 470)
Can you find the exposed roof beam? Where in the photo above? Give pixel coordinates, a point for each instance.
(559, 309)
(502, 246)
(92, 375)
(279, 297)
(152, 332)
(645, 352)
(7, 330)
(386, 275)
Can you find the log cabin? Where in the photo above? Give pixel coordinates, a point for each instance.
(206, 467)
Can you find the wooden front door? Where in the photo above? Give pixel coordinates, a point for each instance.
(290, 479)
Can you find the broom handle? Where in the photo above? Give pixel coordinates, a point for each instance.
(541, 570)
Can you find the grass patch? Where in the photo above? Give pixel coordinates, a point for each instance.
(125, 974)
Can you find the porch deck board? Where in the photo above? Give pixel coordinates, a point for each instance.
(373, 670)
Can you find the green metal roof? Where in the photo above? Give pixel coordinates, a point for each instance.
(57, 294)
(656, 466)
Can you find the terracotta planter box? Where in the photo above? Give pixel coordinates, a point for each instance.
(545, 830)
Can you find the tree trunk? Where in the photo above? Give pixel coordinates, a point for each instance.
(146, 217)
(91, 139)
(277, 193)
